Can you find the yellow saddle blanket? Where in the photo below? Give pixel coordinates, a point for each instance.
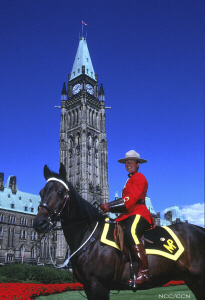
(158, 241)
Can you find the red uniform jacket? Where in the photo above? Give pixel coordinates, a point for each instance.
(134, 192)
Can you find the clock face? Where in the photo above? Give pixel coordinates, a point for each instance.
(89, 89)
(76, 88)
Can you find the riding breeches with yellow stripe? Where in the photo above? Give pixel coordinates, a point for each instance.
(135, 227)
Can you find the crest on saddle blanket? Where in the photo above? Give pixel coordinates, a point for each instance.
(159, 241)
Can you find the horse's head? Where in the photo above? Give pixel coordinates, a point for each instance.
(54, 198)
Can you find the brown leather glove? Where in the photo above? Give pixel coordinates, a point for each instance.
(105, 207)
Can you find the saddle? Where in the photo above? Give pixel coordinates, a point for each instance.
(119, 237)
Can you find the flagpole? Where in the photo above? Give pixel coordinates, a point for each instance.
(82, 28)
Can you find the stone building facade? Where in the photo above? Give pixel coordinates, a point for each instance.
(18, 240)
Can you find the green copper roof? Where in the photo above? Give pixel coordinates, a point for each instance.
(82, 59)
(19, 202)
(149, 205)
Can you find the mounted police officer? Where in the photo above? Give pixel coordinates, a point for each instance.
(134, 214)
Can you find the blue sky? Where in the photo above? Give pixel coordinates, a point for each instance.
(148, 54)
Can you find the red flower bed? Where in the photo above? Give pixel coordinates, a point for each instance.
(26, 291)
(172, 283)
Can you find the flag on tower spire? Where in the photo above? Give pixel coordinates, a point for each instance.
(83, 23)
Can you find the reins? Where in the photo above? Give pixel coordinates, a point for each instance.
(69, 257)
(70, 225)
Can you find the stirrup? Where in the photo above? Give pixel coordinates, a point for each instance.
(132, 283)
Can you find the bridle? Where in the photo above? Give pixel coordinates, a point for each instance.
(55, 215)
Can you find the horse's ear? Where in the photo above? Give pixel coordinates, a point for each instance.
(62, 171)
(47, 172)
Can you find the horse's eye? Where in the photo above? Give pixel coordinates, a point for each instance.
(60, 194)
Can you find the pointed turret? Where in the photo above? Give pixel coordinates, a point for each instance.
(116, 195)
(82, 61)
(101, 93)
(64, 95)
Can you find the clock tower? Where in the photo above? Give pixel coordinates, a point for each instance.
(83, 139)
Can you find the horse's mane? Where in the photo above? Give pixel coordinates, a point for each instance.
(84, 208)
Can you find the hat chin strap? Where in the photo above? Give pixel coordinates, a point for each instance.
(59, 180)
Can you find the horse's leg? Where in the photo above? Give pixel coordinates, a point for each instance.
(193, 277)
(96, 291)
(197, 289)
(192, 262)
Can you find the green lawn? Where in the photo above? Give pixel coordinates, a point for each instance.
(172, 292)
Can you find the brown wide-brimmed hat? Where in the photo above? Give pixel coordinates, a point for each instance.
(132, 155)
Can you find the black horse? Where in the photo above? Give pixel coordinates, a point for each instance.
(96, 265)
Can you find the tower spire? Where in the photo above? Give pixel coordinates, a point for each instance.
(82, 59)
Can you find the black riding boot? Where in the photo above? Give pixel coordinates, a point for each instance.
(138, 255)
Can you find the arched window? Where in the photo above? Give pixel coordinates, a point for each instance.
(77, 139)
(93, 118)
(32, 252)
(10, 237)
(97, 121)
(89, 141)
(73, 118)
(96, 143)
(44, 248)
(1, 231)
(69, 120)
(23, 234)
(76, 117)
(35, 236)
(90, 117)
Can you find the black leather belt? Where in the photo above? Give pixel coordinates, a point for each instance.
(141, 201)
